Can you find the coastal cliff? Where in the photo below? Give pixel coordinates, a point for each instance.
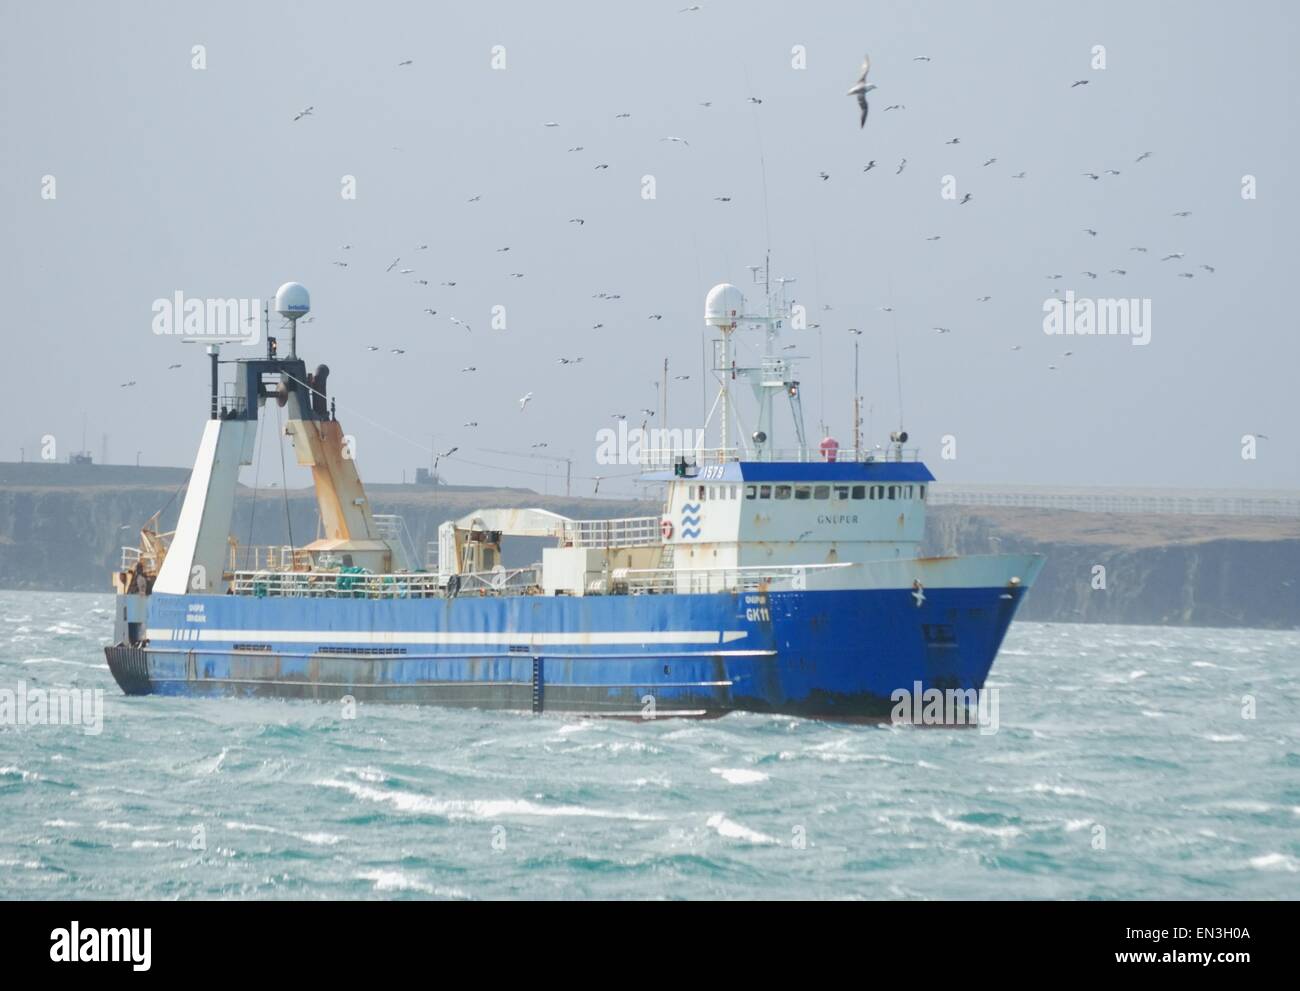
(63, 533)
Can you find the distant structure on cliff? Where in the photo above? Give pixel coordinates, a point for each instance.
(1176, 502)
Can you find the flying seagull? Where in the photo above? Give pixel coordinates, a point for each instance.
(901, 165)
(677, 140)
(1078, 82)
(921, 58)
(305, 112)
(405, 62)
(861, 88)
(524, 400)
(869, 166)
(966, 199)
(1145, 154)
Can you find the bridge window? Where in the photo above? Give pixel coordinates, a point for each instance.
(731, 491)
(922, 493)
(802, 491)
(907, 494)
(841, 492)
(765, 492)
(893, 492)
(821, 492)
(783, 492)
(877, 492)
(859, 492)
(751, 491)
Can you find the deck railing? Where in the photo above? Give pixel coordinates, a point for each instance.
(672, 581)
(363, 585)
(666, 459)
(634, 531)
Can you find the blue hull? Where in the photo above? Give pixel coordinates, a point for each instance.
(828, 654)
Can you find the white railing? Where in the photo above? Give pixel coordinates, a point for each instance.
(512, 581)
(634, 531)
(670, 581)
(664, 459)
(398, 585)
(335, 585)
(392, 528)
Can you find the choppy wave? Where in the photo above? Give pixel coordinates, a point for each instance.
(1119, 751)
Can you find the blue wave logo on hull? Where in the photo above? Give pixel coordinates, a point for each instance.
(690, 520)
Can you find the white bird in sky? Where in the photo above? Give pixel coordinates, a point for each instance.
(861, 88)
(524, 400)
(305, 112)
(676, 139)
(1145, 154)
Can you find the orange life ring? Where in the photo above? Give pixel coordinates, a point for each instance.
(666, 528)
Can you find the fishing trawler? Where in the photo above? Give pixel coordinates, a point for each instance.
(774, 580)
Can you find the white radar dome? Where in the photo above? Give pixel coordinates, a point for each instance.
(292, 300)
(724, 305)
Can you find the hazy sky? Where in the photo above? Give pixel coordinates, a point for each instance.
(171, 178)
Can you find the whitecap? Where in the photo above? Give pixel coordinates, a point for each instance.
(1275, 862)
(405, 801)
(738, 775)
(957, 826)
(735, 831)
(398, 881)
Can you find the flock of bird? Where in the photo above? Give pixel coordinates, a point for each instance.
(406, 263)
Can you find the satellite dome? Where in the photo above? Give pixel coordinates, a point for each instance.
(292, 300)
(723, 306)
